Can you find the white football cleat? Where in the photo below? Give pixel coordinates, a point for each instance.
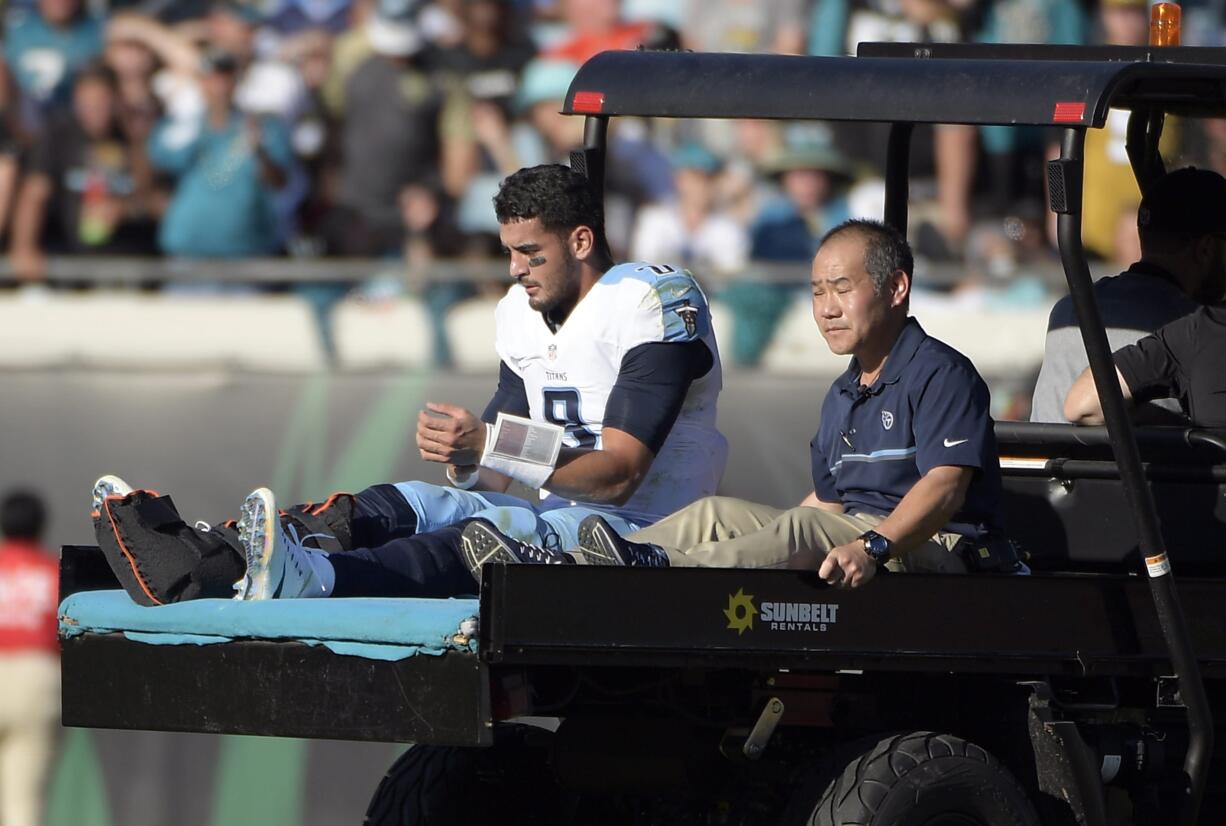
(108, 486)
(277, 566)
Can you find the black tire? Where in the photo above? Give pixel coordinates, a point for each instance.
(425, 785)
(923, 779)
(445, 786)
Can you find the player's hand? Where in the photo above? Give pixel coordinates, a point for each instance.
(450, 434)
(847, 566)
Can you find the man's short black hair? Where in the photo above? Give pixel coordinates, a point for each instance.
(557, 195)
(886, 251)
(22, 515)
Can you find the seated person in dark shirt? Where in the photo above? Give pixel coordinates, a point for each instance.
(1178, 225)
(1181, 361)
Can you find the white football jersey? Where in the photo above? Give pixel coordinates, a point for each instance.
(568, 374)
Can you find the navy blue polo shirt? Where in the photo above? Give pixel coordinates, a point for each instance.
(928, 408)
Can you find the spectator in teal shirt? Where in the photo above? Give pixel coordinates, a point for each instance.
(44, 47)
(228, 167)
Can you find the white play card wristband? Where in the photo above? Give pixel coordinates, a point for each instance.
(523, 449)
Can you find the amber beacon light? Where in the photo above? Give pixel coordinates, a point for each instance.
(1164, 21)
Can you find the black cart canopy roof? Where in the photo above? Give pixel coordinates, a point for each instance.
(1023, 86)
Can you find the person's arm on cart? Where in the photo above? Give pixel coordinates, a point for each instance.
(1082, 405)
(1153, 368)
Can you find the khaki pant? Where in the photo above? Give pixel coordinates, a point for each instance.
(29, 713)
(722, 532)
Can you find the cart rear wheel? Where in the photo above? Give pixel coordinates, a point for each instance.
(923, 779)
(446, 786)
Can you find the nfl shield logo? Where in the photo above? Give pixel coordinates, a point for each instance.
(553, 351)
(887, 419)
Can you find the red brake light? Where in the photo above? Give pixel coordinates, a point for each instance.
(589, 102)
(1069, 112)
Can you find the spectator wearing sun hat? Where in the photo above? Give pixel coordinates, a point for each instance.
(812, 177)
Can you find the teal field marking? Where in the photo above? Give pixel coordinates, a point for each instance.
(77, 793)
(370, 457)
(260, 780)
(302, 446)
(371, 454)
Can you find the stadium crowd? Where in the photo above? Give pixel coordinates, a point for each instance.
(223, 129)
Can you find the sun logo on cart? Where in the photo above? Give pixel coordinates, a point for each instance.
(740, 611)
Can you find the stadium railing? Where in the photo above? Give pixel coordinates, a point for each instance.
(200, 317)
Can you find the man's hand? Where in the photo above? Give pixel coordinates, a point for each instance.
(456, 437)
(847, 566)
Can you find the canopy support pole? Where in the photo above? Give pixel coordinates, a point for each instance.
(1065, 179)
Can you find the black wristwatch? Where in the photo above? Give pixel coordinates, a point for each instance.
(877, 546)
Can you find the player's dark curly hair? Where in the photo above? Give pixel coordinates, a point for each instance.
(22, 515)
(560, 197)
(886, 251)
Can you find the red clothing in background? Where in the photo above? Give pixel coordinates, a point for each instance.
(29, 597)
(578, 49)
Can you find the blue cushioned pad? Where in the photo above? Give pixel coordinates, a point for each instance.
(381, 629)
